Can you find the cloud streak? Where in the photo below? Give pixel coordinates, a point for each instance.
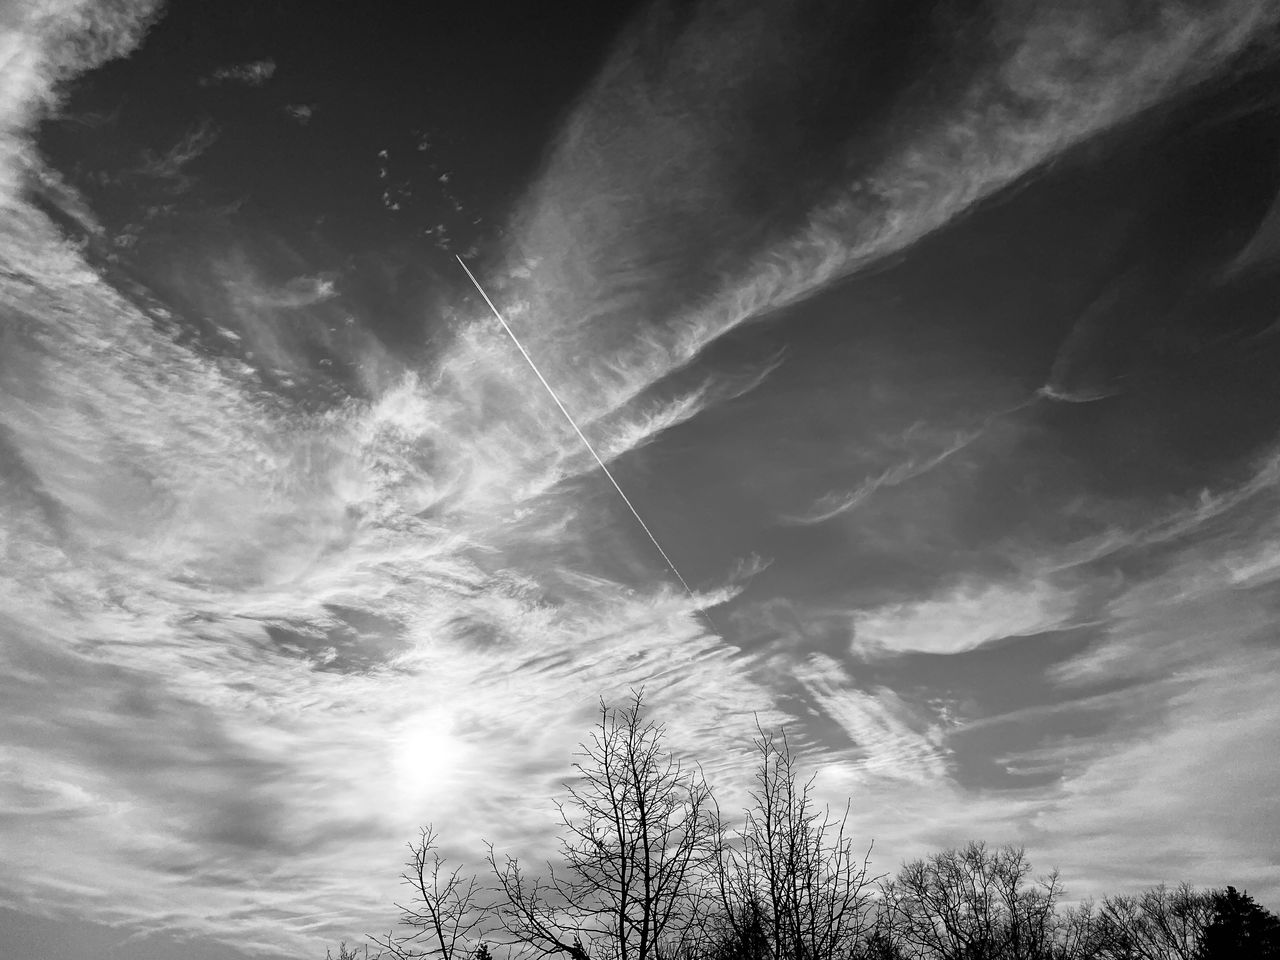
(835, 504)
(599, 226)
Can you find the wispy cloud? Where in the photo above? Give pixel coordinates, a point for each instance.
(1206, 594)
(964, 617)
(170, 165)
(891, 739)
(1071, 71)
(209, 560)
(300, 113)
(294, 294)
(595, 233)
(253, 73)
(1157, 723)
(41, 46)
(834, 504)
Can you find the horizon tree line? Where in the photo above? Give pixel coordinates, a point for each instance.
(649, 868)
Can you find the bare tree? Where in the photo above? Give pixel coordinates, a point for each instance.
(978, 904)
(346, 953)
(445, 910)
(1159, 924)
(790, 882)
(1076, 933)
(637, 838)
(648, 870)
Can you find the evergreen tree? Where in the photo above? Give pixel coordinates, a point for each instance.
(1241, 929)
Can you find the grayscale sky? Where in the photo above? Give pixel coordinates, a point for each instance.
(936, 342)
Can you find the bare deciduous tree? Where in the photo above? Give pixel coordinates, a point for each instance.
(637, 837)
(349, 953)
(648, 870)
(979, 904)
(1161, 923)
(445, 910)
(790, 882)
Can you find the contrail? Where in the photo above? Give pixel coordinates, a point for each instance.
(585, 442)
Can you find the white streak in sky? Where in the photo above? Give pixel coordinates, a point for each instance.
(582, 436)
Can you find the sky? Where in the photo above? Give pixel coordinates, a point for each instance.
(934, 342)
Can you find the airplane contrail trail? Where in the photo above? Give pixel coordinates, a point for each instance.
(585, 442)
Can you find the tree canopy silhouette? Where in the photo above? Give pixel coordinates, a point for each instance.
(1240, 929)
(650, 868)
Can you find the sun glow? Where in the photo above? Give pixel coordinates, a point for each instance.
(425, 756)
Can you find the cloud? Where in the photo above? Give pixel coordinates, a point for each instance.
(253, 73)
(233, 621)
(1205, 763)
(294, 294)
(1161, 721)
(1073, 70)
(835, 504)
(300, 113)
(42, 46)
(963, 618)
(638, 423)
(1160, 728)
(1186, 757)
(52, 188)
(1088, 395)
(891, 739)
(600, 226)
(1204, 593)
(1182, 753)
(169, 165)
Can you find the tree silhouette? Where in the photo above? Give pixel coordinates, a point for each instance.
(349, 953)
(1240, 929)
(649, 870)
(1162, 923)
(637, 839)
(978, 904)
(790, 883)
(444, 911)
